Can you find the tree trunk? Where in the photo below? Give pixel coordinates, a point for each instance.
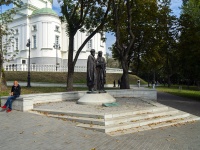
(148, 80)
(125, 78)
(70, 78)
(70, 74)
(125, 81)
(3, 85)
(168, 81)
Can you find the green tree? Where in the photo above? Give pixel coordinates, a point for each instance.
(192, 8)
(121, 25)
(154, 46)
(5, 18)
(189, 42)
(86, 16)
(143, 26)
(168, 40)
(185, 1)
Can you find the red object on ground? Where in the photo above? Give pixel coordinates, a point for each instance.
(4, 107)
(9, 110)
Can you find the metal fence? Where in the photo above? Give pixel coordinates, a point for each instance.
(50, 68)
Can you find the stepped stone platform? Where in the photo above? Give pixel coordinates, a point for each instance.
(132, 115)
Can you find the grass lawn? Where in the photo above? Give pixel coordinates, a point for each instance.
(31, 90)
(192, 92)
(61, 77)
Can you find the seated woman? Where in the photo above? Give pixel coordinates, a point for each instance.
(15, 92)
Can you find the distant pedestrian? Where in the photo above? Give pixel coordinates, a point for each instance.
(15, 92)
(114, 83)
(119, 82)
(138, 83)
(153, 84)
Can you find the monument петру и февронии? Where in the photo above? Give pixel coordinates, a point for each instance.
(96, 77)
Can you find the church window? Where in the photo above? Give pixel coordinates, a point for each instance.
(34, 28)
(90, 44)
(16, 31)
(16, 43)
(34, 41)
(57, 29)
(23, 61)
(102, 40)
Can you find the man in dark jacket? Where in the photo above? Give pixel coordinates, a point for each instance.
(15, 92)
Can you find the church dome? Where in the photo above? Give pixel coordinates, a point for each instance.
(44, 11)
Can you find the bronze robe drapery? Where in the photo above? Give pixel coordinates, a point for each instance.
(91, 72)
(101, 73)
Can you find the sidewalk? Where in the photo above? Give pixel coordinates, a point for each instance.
(26, 131)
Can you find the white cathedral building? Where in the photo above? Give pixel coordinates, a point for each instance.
(37, 21)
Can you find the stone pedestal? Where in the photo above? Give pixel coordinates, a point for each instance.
(96, 99)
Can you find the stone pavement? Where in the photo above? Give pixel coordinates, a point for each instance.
(27, 131)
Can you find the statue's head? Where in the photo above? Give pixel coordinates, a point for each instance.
(92, 51)
(100, 53)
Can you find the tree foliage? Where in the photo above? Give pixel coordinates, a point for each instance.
(6, 33)
(155, 38)
(85, 16)
(192, 8)
(121, 25)
(189, 42)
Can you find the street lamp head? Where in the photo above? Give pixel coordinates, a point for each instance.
(56, 46)
(28, 43)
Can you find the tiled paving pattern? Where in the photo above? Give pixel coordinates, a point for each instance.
(26, 131)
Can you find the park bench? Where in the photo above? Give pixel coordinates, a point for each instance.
(20, 103)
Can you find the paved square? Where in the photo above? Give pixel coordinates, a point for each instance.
(26, 131)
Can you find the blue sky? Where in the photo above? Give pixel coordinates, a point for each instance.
(175, 4)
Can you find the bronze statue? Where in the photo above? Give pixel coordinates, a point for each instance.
(101, 72)
(91, 71)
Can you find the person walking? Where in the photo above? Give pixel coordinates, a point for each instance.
(15, 92)
(138, 83)
(114, 84)
(119, 82)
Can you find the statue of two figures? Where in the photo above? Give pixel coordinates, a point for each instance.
(96, 72)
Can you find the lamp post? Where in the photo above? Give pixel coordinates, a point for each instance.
(29, 77)
(56, 46)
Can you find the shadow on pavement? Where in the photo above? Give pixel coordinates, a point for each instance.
(180, 103)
